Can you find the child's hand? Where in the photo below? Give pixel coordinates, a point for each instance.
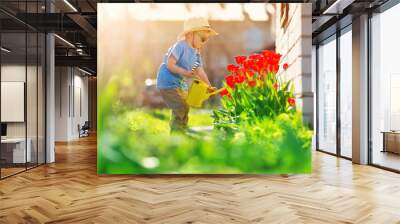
(188, 74)
(211, 89)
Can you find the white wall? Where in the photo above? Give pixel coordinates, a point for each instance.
(12, 73)
(62, 82)
(80, 100)
(71, 93)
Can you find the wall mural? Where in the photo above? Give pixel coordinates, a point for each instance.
(182, 91)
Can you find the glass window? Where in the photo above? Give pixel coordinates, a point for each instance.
(327, 96)
(346, 93)
(385, 89)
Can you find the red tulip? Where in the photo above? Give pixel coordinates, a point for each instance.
(249, 73)
(251, 64)
(260, 64)
(275, 68)
(224, 93)
(230, 80)
(267, 53)
(291, 101)
(251, 83)
(255, 56)
(239, 78)
(269, 67)
(239, 71)
(285, 66)
(240, 59)
(232, 68)
(246, 64)
(271, 57)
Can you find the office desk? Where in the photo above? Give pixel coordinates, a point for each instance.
(391, 141)
(15, 148)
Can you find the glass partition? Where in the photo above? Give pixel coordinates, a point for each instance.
(327, 95)
(35, 88)
(32, 95)
(14, 153)
(22, 88)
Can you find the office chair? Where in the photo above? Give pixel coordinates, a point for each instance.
(84, 130)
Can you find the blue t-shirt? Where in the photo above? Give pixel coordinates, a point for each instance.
(186, 57)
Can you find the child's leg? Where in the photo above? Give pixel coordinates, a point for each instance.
(176, 100)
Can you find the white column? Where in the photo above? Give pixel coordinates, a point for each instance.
(360, 90)
(50, 93)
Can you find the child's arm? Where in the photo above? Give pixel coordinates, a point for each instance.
(202, 75)
(176, 69)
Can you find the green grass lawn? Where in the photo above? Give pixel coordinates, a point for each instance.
(197, 117)
(138, 141)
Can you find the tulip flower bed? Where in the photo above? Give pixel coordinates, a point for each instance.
(253, 91)
(256, 129)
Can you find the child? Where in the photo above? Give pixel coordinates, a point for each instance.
(183, 60)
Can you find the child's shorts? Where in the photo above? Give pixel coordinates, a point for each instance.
(176, 100)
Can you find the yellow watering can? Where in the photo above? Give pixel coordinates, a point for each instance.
(199, 92)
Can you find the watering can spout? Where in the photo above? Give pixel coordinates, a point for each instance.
(199, 92)
(215, 92)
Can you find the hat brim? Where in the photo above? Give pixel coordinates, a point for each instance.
(212, 31)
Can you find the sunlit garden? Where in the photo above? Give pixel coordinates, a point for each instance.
(256, 128)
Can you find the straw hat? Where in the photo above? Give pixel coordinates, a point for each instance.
(196, 24)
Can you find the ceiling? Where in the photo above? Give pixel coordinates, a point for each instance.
(330, 15)
(75, 23)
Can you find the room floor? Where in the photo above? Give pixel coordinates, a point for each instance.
(70, 191)
(9, 171)
(387, 159)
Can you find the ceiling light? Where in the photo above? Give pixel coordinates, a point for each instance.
(84, 71)
(65, 41)
(5, 50)
(70, 5)
(337, 7)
